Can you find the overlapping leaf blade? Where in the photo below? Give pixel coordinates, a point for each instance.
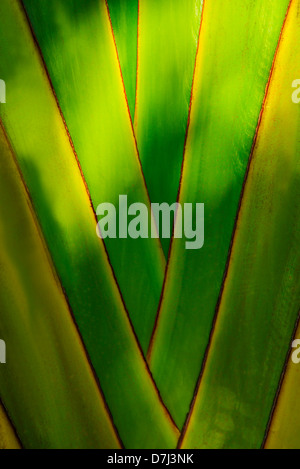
(34, 126)
(47, 380)
(233, 67)
(77, 44)
(259, 305)
(248, 284)
(168, 38)
(124, 18)
(284, 428)
(8, 439)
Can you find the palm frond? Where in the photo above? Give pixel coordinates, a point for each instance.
(142, 343)
(227, 99)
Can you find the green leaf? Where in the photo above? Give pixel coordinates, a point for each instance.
(168, 38)
(284, 430)
(259, 305)
(47, 380)
(235, 55)
(8, 439)
(78, 47)
(42, 148)
(124, 18)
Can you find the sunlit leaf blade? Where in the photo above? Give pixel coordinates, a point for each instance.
(284, 430)
(47, 380)
(8, 439)
(259, 305)
(285, 427)
(233, 67)
(42, 148)
(77, 43)
(168, 38)
(124, 18)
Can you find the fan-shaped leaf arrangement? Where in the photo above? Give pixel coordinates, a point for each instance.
(141, 343)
